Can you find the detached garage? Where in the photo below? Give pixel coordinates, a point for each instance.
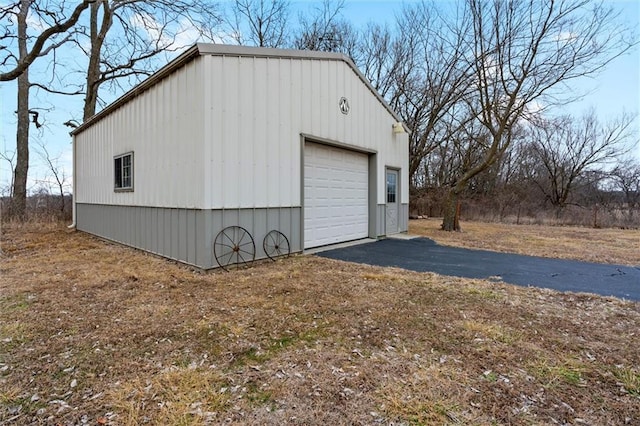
(229, 151)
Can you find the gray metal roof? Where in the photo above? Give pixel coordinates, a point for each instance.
(201, 49)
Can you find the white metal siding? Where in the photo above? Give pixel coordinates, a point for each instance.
(163, 126)
(252, 142)
(225, 132)
(256, 110)
(335, 195)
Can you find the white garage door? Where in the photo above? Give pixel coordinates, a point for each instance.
(336, 195)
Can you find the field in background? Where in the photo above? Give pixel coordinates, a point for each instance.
(96, 333)
(527, 209)
(613, 246)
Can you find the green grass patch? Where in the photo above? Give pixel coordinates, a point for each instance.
(490, 376)
(485, 294)
(258, 396)
(629, 378)
(263, 353)
(15, 303)
(13, 399)
(551, 375)
(495, 332)
(429, 413)
(14, 334)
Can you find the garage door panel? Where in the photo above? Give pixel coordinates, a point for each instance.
(335, 195)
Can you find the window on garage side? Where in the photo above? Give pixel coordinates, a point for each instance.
(123, 172)
(392, 186)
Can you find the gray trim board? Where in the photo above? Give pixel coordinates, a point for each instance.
(381, 211)
(336, 144)
(374, 215)
(403, 220)
(302, 141)
(185, 235)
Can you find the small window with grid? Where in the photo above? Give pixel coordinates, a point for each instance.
(123, 172)
(391, 187)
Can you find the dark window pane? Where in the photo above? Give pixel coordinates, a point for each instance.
(123, 171)
(118, 172)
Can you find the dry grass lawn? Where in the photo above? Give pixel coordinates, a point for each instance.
(614, 246)
(95, 333)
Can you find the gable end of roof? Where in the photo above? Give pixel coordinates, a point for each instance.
(203, 49)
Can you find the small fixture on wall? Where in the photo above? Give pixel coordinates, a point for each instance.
(344, 105)
(398, 128)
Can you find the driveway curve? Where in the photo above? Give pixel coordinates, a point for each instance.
(425, 255)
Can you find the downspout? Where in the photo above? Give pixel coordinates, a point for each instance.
(73, 190)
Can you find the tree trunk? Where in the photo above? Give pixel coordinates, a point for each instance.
(19, 191)
(451, 220)
(62, 203)
(98, 33)
(559, 210)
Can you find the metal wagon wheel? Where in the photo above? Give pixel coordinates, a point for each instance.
(234, 247)
(276, 244)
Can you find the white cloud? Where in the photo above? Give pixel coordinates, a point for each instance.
(566, 37)
(176, 37)
(36, 23)
(187, 34)
(534, 108)
(151, 27)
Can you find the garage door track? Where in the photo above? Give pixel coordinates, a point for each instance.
(424, 255)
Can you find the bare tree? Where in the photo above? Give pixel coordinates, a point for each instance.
(262, 23)
(125, 37)
(566, 149)
(377, 57)
(524, 53)
(20, 173)
(431, 81)
(21, 51)
(626, 179)
(9, 157)
(57, 173)
(325, 30)
(53, 16)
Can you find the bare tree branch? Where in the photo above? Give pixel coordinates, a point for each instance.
(145, 29)
(58, 173)
(566, 149)
(38, 48)
(260, 23)
(55, 91)
(326, 31)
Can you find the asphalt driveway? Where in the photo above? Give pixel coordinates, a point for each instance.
(424, 255)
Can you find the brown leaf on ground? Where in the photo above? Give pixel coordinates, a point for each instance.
(303, 340)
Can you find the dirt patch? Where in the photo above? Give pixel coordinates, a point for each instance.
(613, 246)
(96, 333)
